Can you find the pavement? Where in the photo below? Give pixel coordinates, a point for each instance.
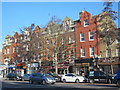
(1, 78)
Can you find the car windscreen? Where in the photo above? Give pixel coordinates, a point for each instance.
(47, 75)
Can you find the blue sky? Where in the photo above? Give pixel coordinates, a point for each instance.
(17, 15)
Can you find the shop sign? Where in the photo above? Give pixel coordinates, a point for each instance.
(91, 73)
(11, 65)
(34, 64)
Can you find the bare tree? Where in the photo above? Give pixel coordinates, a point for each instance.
(106, 28)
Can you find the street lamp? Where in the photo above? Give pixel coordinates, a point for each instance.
(95, 57)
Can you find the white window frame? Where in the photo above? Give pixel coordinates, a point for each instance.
(27, 48)
(15, 40)
(70, 39)
(92, 51)
(117, 52)
(117, 41)
(82, 51)
(13, 49)
(62, 41)
(86, 23)
(48, 42)
(38, 44)
(91, 35)
(5, 51)
(8, 50)
(81, 37)
(107, 53)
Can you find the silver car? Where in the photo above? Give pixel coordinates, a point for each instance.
(26, 77)
(42, 78)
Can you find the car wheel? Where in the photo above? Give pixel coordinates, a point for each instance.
(30, 81)
(64, 81)
(43, 82)
(23, 80)
(118, 83)
(109, 81)
(15, 79)
(52, 83)
(91, 81)
(77, 80)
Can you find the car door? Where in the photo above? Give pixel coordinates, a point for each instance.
(34, 77)
(96, 76)
(103, 77)
(68, 78)
(73, 77)
(38, 77)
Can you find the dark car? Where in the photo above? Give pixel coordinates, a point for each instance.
(13, 76)
(99, 76)
(116, 79)
(42, 78)
(57, 78)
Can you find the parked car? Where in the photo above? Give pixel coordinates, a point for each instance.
(57, 78)
(99, 76)
(13, 76)
(26, 77)
(116, 78)
(72, 78)
(42, 78)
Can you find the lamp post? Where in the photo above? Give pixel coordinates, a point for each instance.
(95, 61)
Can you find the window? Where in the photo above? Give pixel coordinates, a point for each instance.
(8, 50)
(16, 49)
(82, 37)
(38, 45)
(86, 23)
(70, 39)
(27, 48)
(13, 49)
(92, 51)
(118, 38)
(21, 38)
(62, 41)
(67, 27)
(54, 42)
(118, 52)
(37, 35)
(91, 36)
(118, 41)
(108, 52)
(82, 52)
(48, 42)
(15, 40)
(5, 51)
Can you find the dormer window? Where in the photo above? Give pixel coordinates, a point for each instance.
(86, 23)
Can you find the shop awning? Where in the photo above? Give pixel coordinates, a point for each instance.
(86, 60)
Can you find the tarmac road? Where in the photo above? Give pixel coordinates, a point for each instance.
(24, 85)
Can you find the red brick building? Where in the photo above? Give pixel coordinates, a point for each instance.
(87, 47)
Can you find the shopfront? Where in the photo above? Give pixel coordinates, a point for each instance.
(82, 66)
(20, 69)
